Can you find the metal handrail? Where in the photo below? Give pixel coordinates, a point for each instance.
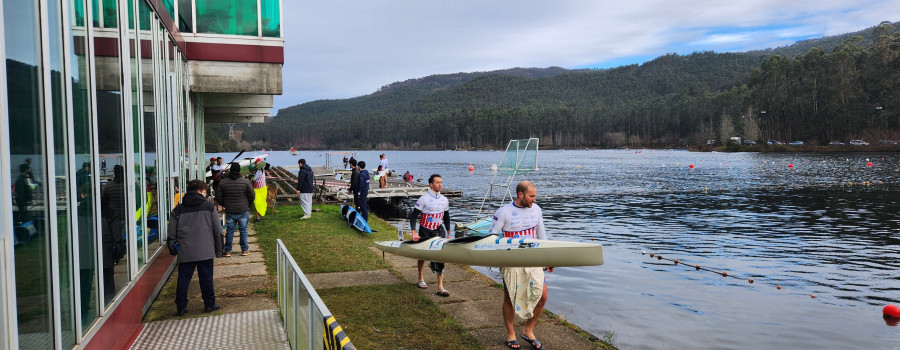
(306, 318)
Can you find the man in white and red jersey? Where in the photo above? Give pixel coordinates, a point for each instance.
(432, 211)
(522, 219)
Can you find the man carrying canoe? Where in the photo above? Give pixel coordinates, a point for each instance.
(522, 286)
(431, 210)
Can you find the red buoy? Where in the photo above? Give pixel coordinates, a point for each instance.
(869, 164)
(791, 166)
(691, 166)
(471, 168)
(891, 310)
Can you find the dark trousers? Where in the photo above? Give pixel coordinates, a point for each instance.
(362, 206)
(356, 200)
(204, 273)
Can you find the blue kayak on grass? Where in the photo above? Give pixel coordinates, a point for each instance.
(346, 210)
(356, 220)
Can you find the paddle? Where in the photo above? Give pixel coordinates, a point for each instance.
(232, 161)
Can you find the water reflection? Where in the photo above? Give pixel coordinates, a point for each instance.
(112, 214)
(825, 226)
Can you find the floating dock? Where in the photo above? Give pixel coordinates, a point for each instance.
(332, 186)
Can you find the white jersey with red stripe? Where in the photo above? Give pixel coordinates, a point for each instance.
(432, 205)
(511, 221)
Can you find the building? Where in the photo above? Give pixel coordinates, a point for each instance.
(103, 104)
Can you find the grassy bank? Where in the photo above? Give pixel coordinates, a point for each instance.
(374, 317)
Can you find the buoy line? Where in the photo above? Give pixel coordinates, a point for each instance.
(890, 312)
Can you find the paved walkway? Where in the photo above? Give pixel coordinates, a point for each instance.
(248, 318)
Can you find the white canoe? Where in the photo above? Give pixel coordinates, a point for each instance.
(494, 251)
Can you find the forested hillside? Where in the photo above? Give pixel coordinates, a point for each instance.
(827, 91)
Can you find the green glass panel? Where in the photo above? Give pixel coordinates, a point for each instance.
(95, 13)
(185, 16)
(170, 6)
(271, 18)
(144, 14)
(78, 13)
(234, 17)
(130, 14)
(110, 14)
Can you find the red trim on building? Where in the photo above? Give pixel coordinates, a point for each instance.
(234, 53)
(124, 324)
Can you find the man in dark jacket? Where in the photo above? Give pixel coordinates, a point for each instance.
(305, 188)
(363, 191)
(195, 226)
(236, 195)
(354, 182)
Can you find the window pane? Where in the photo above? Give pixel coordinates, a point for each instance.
(170, 6)
(148, 114)
(60, 158)
(271, 18)
(235, 17)
(110, 14)
(185, 18)
(110, 124)
(28, 156)
(139, 198)
(85, 178)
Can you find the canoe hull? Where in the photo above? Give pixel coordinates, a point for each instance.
(355, 220)
(501, 252)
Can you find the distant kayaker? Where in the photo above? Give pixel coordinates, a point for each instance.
(522, 219)
(432, 211)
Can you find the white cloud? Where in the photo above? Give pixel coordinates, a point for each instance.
(346, 48)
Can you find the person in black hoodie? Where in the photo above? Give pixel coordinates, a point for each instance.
(236, 195)
(195, 227)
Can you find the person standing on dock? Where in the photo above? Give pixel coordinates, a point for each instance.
(346, 161)
(384, 163)
(305, 188)
(362, 190)
(354, 182)
(432, 210)
(523, 286)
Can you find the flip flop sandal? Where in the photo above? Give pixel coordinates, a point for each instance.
(443, 293)
(511, 343)
(534, 342)
(422, 284)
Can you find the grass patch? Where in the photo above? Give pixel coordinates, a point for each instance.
(394, 317)
(323, 243)
(374, 317)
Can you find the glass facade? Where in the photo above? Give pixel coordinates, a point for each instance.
(99, 132)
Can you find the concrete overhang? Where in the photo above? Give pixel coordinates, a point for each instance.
(235, 108)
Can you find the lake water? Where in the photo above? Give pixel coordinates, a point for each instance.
(825, 226)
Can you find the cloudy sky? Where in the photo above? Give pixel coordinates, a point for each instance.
(338, 49)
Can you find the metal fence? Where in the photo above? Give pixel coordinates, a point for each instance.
(308, 322)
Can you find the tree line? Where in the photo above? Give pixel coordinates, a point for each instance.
(838, 90)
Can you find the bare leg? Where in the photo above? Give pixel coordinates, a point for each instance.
(528, 329)
(440, 279)
(508, 315)
(421, 266)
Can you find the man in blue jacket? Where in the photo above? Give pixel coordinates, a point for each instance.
(195, 225)
(305, 188)
(363, 191)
